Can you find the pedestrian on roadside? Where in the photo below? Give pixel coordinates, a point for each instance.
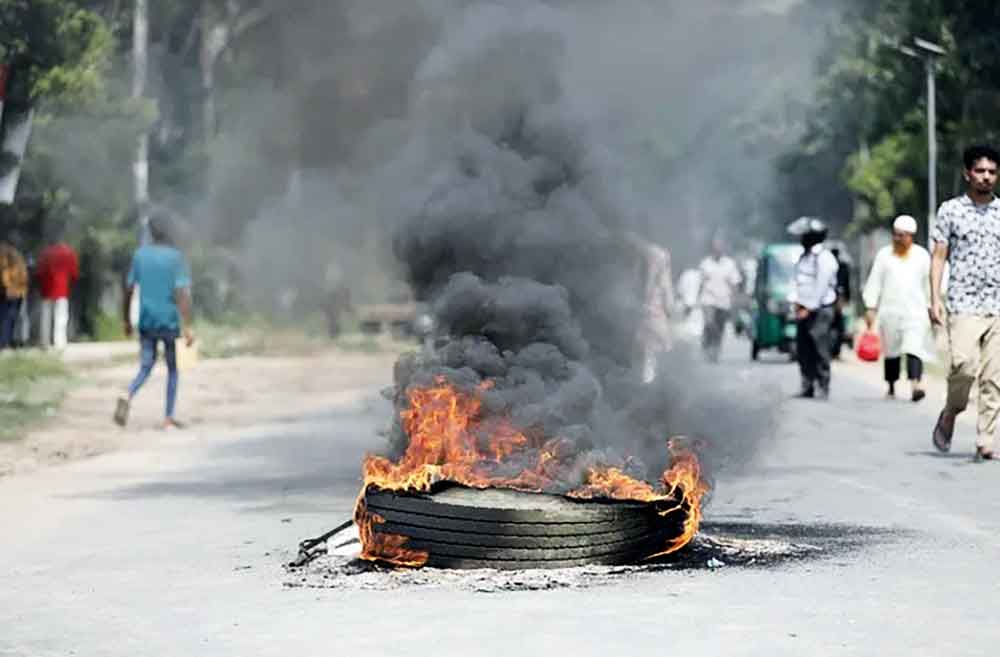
(657, 297)
(814, 297)
(13, 291)
(966, 236)
(720, 278)
(688, 288)
(164, 284)
(58, 270)
(898, 293)
(840, 328)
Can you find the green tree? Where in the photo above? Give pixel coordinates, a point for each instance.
(63, 56)
(863, 157)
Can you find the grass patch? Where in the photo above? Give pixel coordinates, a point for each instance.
(258, 337)
(373, 344)
(228, 342)
(32, 385)
(109, 328)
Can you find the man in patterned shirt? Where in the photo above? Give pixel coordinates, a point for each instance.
(967, 236)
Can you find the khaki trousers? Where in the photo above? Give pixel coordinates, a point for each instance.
(974, 344)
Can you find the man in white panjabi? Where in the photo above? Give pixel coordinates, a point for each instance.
(898, 292)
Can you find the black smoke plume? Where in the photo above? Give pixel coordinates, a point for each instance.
(524, 246)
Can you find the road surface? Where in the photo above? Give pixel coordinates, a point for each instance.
(174, 545)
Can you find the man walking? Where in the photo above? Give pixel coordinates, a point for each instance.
(814, 296)
(13, 290)
(58, 270)
(164, 301)
(967, 236)
(719, 279)
(898, 292)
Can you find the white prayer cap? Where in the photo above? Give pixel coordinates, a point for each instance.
(905, 224)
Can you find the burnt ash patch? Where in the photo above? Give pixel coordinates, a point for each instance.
(719, 547)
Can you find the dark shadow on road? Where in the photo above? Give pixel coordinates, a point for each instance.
(319, 457)
(766, 545)
(948, 456)
(769, 362)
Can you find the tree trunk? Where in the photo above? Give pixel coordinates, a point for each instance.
(218, 32)
(140, 166)
(211, 32)
(140, 65)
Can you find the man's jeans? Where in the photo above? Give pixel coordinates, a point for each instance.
(149, 341)
(9, 310)
(974, 345)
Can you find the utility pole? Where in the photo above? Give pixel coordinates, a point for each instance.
(929, 53)
(140, 66)
(931, 146)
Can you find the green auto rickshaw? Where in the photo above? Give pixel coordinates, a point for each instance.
(773, 317)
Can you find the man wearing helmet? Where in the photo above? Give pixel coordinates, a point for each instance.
(814, 296)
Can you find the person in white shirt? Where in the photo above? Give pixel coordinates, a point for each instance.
(688, 287)
(719, 279)
(814, 296)
(898, 292)
(689, 314)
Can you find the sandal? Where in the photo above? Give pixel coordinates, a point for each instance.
(983, 454)
(943, 431)
(121, 411)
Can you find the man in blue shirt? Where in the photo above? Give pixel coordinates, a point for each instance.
(164, 301)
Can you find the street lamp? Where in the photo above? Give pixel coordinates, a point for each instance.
(929, 52)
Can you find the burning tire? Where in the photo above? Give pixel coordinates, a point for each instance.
(503, 529)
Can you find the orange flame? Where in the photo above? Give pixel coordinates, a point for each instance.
(379, 546)
(683, 481)
(450, 441)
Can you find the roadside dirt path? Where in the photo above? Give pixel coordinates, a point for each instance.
(226, 393)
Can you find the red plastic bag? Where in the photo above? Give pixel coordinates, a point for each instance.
(869, 346)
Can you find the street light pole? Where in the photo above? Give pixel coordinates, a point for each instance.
(929, 52)
(931, 146)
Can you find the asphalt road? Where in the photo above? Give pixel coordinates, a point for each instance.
(175, 547)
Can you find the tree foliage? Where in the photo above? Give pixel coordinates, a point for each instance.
(251, 101)
(58, 50)
(863, 157)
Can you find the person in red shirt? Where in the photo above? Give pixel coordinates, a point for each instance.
(58, 270)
